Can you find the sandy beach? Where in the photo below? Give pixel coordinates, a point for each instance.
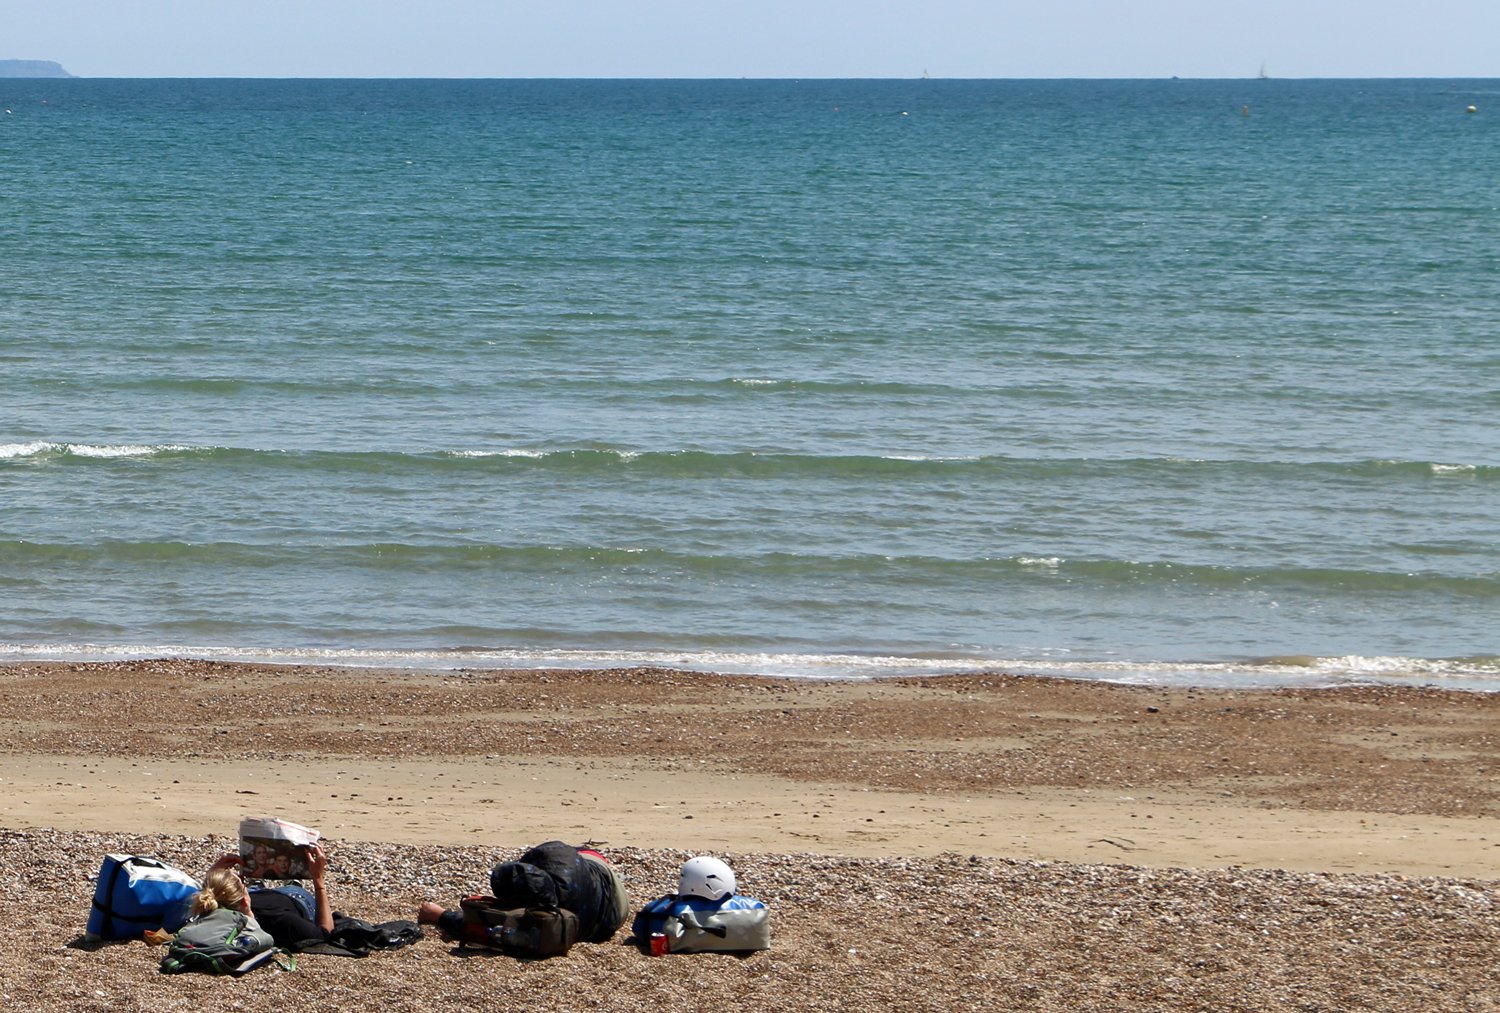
(965, 842)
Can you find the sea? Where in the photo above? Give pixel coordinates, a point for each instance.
(1175, 382)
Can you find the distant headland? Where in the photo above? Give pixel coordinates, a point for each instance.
(31, 68)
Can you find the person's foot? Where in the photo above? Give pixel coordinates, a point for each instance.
(428, 913)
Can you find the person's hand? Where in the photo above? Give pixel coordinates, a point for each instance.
(228, 861)
(317, 861)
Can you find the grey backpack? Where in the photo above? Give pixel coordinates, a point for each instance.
(223, 941)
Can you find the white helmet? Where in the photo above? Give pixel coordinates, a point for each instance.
(705, 877)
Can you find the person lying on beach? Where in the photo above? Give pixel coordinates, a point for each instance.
(551, 875)
(295, 919)
(285, 916)
(279, 911)
(221, 935)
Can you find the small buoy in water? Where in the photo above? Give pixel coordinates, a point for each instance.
(1471, 109)
(1244, 110)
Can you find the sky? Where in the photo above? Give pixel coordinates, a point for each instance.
(758, 38)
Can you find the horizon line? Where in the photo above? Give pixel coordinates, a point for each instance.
(792, 77)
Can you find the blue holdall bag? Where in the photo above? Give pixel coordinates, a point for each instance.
(134, 894)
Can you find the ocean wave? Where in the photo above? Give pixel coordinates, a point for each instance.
(693, 463)
(344, 385)
(669, 463)
(768, 385)
(12, 451)
(1020, 570)
(1478, 673)
(496, 453)
(793, 665)
(713, 464)
(43, 450)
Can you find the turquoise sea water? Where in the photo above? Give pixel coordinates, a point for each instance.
(1182, 381)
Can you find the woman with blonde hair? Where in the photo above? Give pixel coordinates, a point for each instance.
(292, 926)
(274, 911)
(222, 936)
(222, 888)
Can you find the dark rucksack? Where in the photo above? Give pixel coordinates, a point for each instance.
(525, 884)
(530, 932)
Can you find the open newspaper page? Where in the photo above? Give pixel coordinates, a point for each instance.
(272, 848)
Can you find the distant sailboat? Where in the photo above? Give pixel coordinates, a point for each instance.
(1263, 74)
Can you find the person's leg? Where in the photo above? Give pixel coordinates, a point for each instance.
(449, 923)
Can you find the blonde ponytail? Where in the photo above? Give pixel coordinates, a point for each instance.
(221, 888)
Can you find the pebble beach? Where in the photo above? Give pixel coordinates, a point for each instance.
(1364, 817)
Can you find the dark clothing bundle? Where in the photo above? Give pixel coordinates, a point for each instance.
(556, 876)
(355, 937)
(559, 875)
(284, 915)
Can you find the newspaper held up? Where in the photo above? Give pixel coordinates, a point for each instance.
(272, 848)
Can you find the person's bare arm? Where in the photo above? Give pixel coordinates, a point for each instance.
(317, 871)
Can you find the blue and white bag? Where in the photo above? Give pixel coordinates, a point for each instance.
(693, 925)
(134, 894)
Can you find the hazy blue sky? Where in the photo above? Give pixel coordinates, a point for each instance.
(758, 38)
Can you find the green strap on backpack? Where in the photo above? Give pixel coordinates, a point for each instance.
(223, 941)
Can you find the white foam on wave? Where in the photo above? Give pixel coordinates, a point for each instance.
(802, 666)
(1454, 469)
(104, 450)
(14, 450)
(1359, 664)
(624, 455)
(124, 450)
(1481, 674)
